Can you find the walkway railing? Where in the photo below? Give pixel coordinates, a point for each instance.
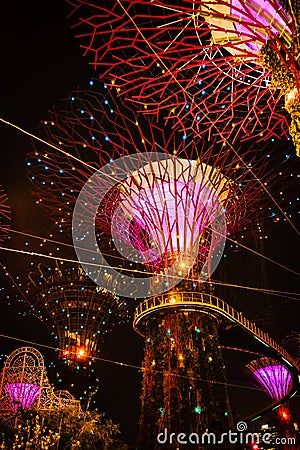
(199, 300)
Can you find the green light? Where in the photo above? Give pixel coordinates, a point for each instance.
(226, 413)
(168, 331)
(197, 410)
(198, 330)
(148, 340)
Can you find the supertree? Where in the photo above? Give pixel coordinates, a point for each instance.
(276, 380)
(146, 208)
(4, 215)
(92, 129)
(212, 64)
(79, 314)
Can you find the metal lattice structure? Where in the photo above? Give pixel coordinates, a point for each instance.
(25, 384)
(24, 381)
(276, 380)
(78, 312)
(64, 399)
(273, 377)
(213, 65)
(96, 129)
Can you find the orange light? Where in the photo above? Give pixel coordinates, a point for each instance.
(65, 353)
(284, 414)
(81, 353)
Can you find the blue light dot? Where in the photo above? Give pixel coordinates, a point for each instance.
(106, 138)
(106, 102)
(92, 117)
(184, 137)
(197, 410)
(46, 167)
(203, 92)
(198, 117)
(91, 83)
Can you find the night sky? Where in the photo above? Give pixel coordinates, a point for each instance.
(41, 64)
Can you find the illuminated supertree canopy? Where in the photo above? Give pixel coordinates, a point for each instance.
(77, 312)
(212, 64)
(277, 381)
(272, 376)
(95, 129)
(4, 216)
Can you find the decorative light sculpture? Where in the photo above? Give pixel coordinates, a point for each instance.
(184, 384)
(24, 381)
(203, 59)
(24, 384)
(78, 312)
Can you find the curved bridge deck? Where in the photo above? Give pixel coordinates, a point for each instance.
(198, 301)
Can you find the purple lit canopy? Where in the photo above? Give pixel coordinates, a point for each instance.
(251, 23)
(274, 378)
(22, 394)
(174, 202)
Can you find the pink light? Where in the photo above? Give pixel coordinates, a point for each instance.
(22, 394)
(257, 12)
(170, 216)
(174, 203)
(276, 380)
